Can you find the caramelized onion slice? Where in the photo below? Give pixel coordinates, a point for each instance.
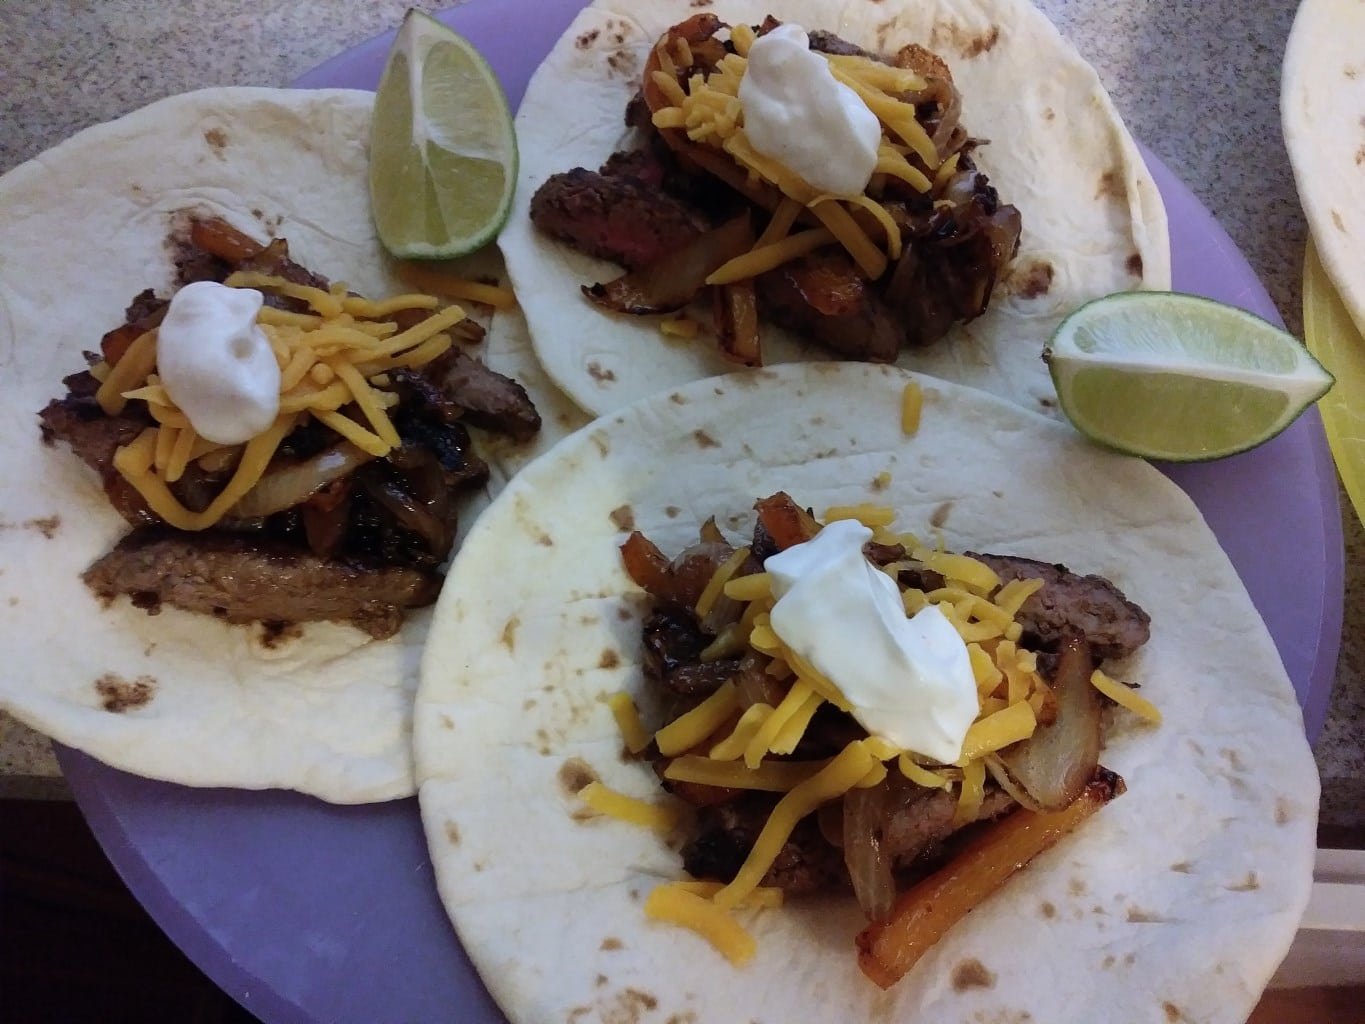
(1055, 763)
(736, 309)
(670, 283)
(292, 483)
(869, 867)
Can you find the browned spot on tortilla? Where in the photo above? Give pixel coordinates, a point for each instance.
(600, 375)
(217, 139)
(1249, 884)
(577, 1012)
(1136, 915)
(1183, 867)
(1336, 219)
(1048, 403)
(1134, 264)
(1048, 908)
(118, 694)
(972, 973)
(1283, 814)
(638, 998)
(1351, 73)
(611, 944)
(1130, 959)
(453, 833)
(46, 525)
(677, 399)
(545, 540)
(623, 613)
(1034, 281)
(982, 43)
(940, 515)
(704, 440)
(672, 511)
(1076, 887)
(276, 634)
(609, 659)
(1111, 184)
(600, 442)
(13, 601)
(700, 3)
(574, 774)
(1234, 759)
(528, 704)
(587, 39)
(1049, 114)
(1194, 745)
(479, 865)
(622, 62)
(689, 1017)
(1108, 962)
(509, 632)
(1173, 1012)
(447, 722)
(624, 517)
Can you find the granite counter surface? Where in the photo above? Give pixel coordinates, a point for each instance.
(1196, 81)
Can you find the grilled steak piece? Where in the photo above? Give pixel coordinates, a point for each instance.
(673, 644)
(823, 297)
(612, 217)
(79, 422)
(926, 818)
(489, 399)
(1113, 626)
(240, 579)
(727, 832)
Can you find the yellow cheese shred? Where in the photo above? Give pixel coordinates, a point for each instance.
(633, 733)
(843, 773)
(613, 804)
(912, 406)
(1126, 697)
(920, 775)
(732, 747)
(767, 733)
(705, 917)
(762, 258)
(769, 777)
(688, 730)
(715, 586)
(139, 359)
(769, 897)
(987, 735)
(866, 513)
(972, 794)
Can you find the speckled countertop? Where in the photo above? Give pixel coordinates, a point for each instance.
(1196, 80)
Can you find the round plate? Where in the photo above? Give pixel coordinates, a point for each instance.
(306, 911)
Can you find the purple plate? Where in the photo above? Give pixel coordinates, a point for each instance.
(304, 911)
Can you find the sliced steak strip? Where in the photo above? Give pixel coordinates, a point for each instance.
(1113, 626)
(244, 580)
(489, 399)
(673, 642)
(927, 818)
(612, 217)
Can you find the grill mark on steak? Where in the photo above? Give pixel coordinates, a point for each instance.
(242, 580)
(611, 217)
(1067, 602)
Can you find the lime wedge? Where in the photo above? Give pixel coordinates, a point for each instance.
(443, 154)
(1179, 377)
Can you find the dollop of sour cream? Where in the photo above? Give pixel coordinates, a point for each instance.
(217, 364)
(798, 113)
(908, 680)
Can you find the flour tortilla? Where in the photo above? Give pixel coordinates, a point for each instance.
(1322, 109)
(1058, 151)
(1180, 897)
(196, 701)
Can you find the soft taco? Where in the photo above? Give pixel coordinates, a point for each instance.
(1008, 143)
(288, 582)
(1174, 901)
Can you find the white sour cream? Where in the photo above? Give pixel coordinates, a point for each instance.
(908, 680)
(796, 112)
(216, 364)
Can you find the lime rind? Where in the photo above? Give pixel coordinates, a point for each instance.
(1179, 378)
(434, 135)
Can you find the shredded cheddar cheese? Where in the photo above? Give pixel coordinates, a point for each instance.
(328, 360)
(633, 733)
(708, 110)
(676, 905)
(1126, 697)
(609, 802)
